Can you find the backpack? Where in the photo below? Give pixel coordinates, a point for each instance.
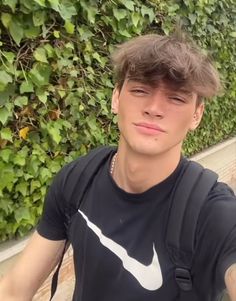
(188, 197)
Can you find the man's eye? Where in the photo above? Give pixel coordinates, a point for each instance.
(177, 99)
(139, 91)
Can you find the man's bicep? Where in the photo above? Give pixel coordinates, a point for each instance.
(32, 268)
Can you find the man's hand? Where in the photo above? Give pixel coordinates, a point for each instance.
(230, 281)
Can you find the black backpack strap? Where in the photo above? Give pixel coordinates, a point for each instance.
(189, 195)
(84, 171)
(56, 273)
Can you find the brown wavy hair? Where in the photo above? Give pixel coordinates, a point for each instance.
(175, 60)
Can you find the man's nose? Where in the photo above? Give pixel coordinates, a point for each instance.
(155, 106)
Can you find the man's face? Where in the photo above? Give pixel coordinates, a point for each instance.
(154, 120)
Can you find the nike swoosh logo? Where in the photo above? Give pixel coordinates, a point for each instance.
(149, 277)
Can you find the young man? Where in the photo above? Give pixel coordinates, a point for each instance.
(118, 233)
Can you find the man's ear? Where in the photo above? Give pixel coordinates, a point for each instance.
(115, 100)
(197, 116)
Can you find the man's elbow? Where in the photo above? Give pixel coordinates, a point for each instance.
(230, 282)
(9, 292)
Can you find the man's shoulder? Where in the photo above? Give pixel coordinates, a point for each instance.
(222, 189)
(219, 210)
(221, 199)
(75, 175)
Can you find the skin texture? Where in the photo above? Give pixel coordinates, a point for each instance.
(34, 265)
(230, 281)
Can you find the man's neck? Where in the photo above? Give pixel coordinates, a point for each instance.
(136, 173)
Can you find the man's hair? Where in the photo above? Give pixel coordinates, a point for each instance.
(174, 60)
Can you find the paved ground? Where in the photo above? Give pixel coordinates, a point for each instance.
(65, 292)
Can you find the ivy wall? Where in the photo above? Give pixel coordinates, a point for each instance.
(56, 84)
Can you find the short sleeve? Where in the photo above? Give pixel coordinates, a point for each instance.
(52, 222)
(228, 256)
(215, 241)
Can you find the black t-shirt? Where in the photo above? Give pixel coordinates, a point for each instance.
(118, 239)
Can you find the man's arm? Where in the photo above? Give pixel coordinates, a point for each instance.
(230, 281)
(32, 268)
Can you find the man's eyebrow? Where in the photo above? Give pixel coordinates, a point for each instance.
(136, 81)
(183, 91)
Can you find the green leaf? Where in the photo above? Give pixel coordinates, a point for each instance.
(22, 213)
(119, 13)
(34, 185)
(16, 31)
(62, 93)
(54, 4)
(22, 188)
(173, 8)
(40, 55)
(6, 177)
(11, 4)
(19, 159)
(49, 49)
(6, 134)
(40, 74)
(54, 132)
(5, 78)
(21, 101)
(54, 166)
(70, 45)
(192, 18)
(40, 2)
(5, 154)
(39, 17)
(34, 165)
(27, 176)
(44, 175)
(85, 33)
(97, 57)
(37, 196)
(128, 4)
(91, 11)
(135, 18)
(4, 115)
(26, 87)
(233, 34)
(9, 56)
(67, 10)
(42, 95)
(32, 32)
(6, 19)
(148, 11)
(5, 95)
(70, 27)
(125, 33)
(56, 34)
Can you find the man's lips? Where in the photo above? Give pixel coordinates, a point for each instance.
(150, 126)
